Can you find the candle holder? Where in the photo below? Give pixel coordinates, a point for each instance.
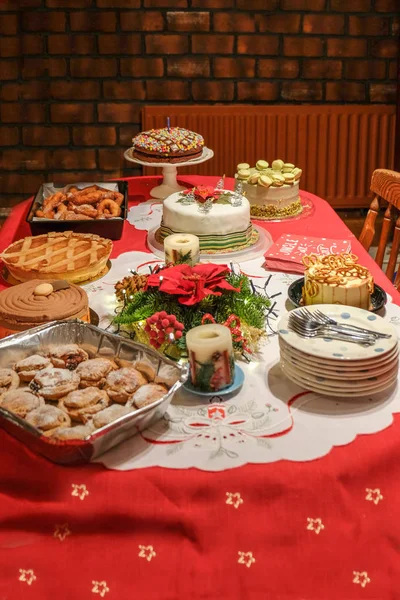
(234, 387)
(210, 351)
(169, 170)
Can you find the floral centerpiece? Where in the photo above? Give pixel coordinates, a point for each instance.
(160, 308)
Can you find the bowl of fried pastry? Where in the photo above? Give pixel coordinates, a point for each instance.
(82, 207)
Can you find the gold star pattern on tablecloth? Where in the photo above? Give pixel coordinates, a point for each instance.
(79, 490)
(62, 531)
(361, 578)
(374, 496)
(100, 587)
(315, 525)
(146, 552)
(234, 498)
(27, 575)
(246, 558)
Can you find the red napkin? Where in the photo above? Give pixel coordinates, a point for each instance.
(286, 253)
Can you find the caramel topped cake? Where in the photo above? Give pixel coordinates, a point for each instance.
(336, 279)
(65, 255)
(173, 144)
(24, 306)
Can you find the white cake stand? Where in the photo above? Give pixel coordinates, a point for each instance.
(169, 170)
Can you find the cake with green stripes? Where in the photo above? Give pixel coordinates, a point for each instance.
(218, 217)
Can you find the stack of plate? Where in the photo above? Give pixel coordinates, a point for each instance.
(337, 368)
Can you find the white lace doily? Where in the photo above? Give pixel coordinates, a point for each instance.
(146, 215)
(269, 419)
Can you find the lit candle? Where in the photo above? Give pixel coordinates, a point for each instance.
(210, 351)
(168, 123)
(182, 248)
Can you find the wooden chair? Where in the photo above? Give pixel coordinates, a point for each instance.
(385, 185)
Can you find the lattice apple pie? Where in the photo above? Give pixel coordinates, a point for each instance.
(65, 255)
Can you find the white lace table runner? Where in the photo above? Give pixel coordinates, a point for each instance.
(269, 419)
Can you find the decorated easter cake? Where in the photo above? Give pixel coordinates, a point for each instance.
(336, 279)
(273, 191)
(219, 218)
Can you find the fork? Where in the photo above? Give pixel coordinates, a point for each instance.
(320, 317)
(312, 324)
(306, 330)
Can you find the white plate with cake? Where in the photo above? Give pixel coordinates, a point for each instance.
(219, 218)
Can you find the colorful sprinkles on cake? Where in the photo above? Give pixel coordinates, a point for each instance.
(168, 140)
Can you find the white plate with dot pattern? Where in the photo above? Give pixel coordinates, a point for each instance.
(337, 350)
(341, 393)
(323, 381)
(345, 367)
(334, 373)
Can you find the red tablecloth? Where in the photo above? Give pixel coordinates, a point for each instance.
(325, 529)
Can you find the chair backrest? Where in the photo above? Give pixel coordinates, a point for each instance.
(385, 185)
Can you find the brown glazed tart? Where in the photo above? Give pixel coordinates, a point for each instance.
(21, 308)
(64, 255)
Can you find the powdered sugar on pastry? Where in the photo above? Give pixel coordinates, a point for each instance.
(110, 414)
(47, 418)
(54, 383)
(9, 380)
(121, 384)
(68, 356)
(83, 404)
(28, 367)
(79, 432)
(94, 371)
(20, 402)
(147, 394)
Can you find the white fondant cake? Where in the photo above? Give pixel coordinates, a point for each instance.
(273, 192)
(223, 225)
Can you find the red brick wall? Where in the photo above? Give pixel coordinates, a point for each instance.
(75, 73)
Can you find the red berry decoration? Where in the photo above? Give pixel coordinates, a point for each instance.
(160, 325)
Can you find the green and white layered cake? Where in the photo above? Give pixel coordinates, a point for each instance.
(219, 218)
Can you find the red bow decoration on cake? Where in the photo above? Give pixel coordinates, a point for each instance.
(202, 193)
(192, 284)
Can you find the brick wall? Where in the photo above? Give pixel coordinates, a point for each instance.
(75, 73)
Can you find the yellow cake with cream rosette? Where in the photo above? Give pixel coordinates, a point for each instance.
(336, 279)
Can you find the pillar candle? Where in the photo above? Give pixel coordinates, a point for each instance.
(210, 351)
(182, 248)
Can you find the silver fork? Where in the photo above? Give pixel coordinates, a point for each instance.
(307, 330)
(312, 324)
(320, 317)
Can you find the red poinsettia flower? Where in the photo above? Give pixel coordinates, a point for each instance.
(192, 284)
(202, 193)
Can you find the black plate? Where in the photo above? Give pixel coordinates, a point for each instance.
(378, 298)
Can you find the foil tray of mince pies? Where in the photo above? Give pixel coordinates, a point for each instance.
(71, 391)
(99, 208)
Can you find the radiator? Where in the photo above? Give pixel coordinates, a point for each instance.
(337, 146)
